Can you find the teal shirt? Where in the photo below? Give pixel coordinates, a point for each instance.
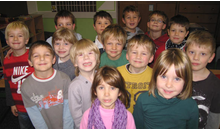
(160, 113)
(104, 60)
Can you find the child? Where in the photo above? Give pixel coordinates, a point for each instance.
(62, 41)
(109, 97)
(131, 18)
(64, 18)
(16, 69)
(113, 39)
(168, 103)
(101, 20)
(157, 27)
(45, 91)
(178, 30)
(85, 57)
(200, 47)
(137, 73)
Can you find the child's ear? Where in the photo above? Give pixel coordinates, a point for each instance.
(119, 94)
(139, 19)
(148, 24)
(168, 32)
(30, 63)
(123, 20)
(26, 42)
(127, 57)
(54, 59)
(56, 27)
(74, 25)
(164, 26)
(187, 33)
(151, 59)
(211, 58)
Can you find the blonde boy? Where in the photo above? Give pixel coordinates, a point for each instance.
(66, 19)
(200, 48)
(63, 39)
(85, 56)
(16, 69)
(113, 39)
(101, 20)
(137, 73)
(131, 18)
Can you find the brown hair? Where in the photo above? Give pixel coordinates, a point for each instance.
(181, 20)
(116, 31)
(64, 34)
(40, 43)
(64, 14)
(182, 66)
(201, 38)
(142, 40)
(81, 46)
(111, 76)
(159, 13)
(131, 8)
(102, 14)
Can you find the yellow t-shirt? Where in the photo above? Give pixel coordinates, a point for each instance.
(135, 83)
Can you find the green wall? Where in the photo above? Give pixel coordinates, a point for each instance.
(84, 26)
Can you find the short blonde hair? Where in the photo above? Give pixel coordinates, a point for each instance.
(64, 34)
(182, 66)
(17, 25)
(81, 46)
(116, 31)
(142, 40)
(201, 38)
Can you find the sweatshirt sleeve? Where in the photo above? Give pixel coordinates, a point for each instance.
(193, 122)
(67, 118)
(9, 99)
(84, 121)
(75, 103)
(36, 118)
(213, 121)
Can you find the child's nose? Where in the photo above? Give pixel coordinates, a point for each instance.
(114, 46)
(196, 57)
(168, 83)
(138, 55)
(176, 33)
(61, 46)
(106, 92)
(15, 38)
(42, 57)
(86, 56)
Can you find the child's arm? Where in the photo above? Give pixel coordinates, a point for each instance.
(130, 121)
(138, 114)
(36, 118)
(67, 118)
(213, 121)
(84, 121)
(193, 122)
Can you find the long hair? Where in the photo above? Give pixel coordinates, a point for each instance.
(182, 66)
(112, 77)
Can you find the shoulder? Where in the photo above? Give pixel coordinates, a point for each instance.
(61, 75)
(121, 68)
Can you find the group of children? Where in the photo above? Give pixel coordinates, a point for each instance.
(70, 82)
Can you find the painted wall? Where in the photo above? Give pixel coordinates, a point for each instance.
(84, 26)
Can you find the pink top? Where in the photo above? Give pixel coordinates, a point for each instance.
(107, 117)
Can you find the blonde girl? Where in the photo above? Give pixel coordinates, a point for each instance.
(168, 103)
(109, 99)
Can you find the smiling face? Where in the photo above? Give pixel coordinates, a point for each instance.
(139, 57)
(169, 85)
(107, 95)
(177, 33)
(62, 49)
(131, 21)
(199, 56)
(16, 40)
(42, 60)
(156, 23)
(86, 61)
(113, 47)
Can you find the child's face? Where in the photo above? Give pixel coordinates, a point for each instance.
(16, 39)
(65, 22)
(107, 95)
(101, 24)
(42, 59)
(169, 85)
(139, 57)
(199, 56)
(62, 49)
(156, 23)
(177, 33)
(131, 20)
(113, 47)
(86, 61)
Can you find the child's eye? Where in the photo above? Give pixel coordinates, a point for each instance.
(47, 54)
(119, 44)
(203, 54)
(80, 54)
(106, 23)
(144, 54)
(177, 79)
(134, 52)
(173, 30)
(101, 87)
(128, 17)
(90, 53)
(20, 35)
(163, 76)
(109, 43)
(112, 88)
(57, 44)
(35, 56)
(60, 25)
(98, 23)
(66, 44)
(191, 52)
(11, 36)
(68, 24)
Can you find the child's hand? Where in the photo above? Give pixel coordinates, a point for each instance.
(14, 110)
(8, 54)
